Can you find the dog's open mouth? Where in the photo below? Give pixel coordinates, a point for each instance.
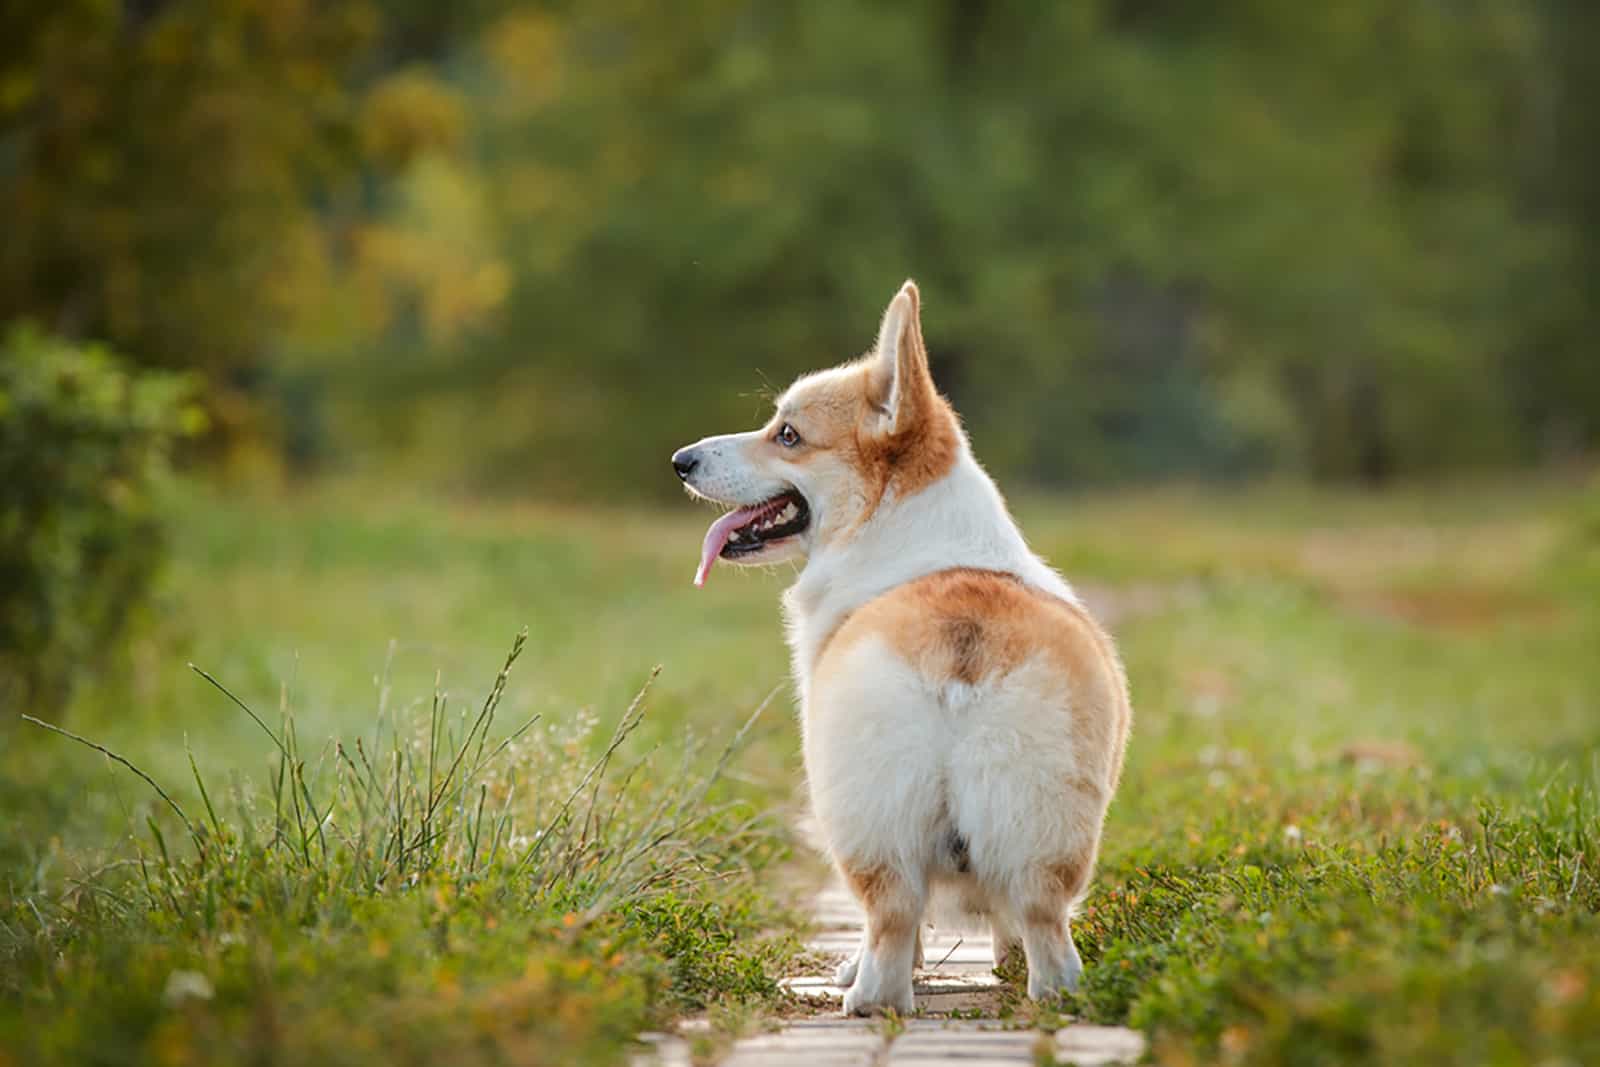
(747, 531)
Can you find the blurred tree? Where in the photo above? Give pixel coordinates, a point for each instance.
(153, 154)
(541, 243)
(84, 450)
(1152, 241)
(1556, 377)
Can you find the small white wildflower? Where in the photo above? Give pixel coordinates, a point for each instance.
(1498, 890)
(186, 985)
(1292, 833)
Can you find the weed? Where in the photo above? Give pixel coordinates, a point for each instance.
(486, 887)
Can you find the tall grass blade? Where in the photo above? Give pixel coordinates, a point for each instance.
(199, 844)
(225, 691)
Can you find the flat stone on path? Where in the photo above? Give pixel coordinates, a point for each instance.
(967, 1043)
(1091, 1046)
(956, 977)
(806, 1042)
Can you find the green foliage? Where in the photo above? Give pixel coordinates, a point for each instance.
(160, 158)
(1370, 717)
(463, 890)
(1332, 952)
(84, 450)
(704, 941)
(1149, 243)
(1358, 824)
(541, 245)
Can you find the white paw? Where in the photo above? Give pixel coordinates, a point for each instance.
(845, 975)
(863, 1001)
(1046, 982)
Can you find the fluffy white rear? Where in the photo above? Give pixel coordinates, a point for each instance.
(963, 717)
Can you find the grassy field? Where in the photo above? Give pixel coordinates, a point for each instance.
(1358, 823)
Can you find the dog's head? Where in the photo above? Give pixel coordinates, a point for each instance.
(841, 443)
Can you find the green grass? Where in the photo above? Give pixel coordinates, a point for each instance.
(1358, 821)
(366, 875)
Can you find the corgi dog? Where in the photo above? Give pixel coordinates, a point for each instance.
(963, 716)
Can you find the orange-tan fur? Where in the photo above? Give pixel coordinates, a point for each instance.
(964, 717)
(964, 625)
(837, 415)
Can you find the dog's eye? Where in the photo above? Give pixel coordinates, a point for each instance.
(787, 436)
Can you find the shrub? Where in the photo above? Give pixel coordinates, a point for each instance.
(84, 451)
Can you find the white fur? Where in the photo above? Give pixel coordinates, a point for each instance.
(898, 760)
(961, 521)
(888, 752)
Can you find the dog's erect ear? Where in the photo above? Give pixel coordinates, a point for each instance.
(899, 381)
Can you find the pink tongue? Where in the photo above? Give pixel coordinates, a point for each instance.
(717, 537)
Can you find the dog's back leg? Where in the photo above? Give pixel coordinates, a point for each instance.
(845, 973)
(894, 904)
(1053, 962)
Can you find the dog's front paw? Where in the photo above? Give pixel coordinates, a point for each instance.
(863, 1001)
(845, 975)
(1047, 982)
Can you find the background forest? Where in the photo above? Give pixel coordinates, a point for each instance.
(533, 246)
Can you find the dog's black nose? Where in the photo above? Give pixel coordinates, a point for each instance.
(684, 461)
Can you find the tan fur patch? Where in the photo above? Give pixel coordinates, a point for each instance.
(838, 412)
(1070, 876)
(912, 459)
(839, 415)
(870, 885)
(967, 625)
(927, 438)
(882, 895)
(965, 638)
(827, 410)
(1052, 915)
(889, 926)
(1064, 882)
